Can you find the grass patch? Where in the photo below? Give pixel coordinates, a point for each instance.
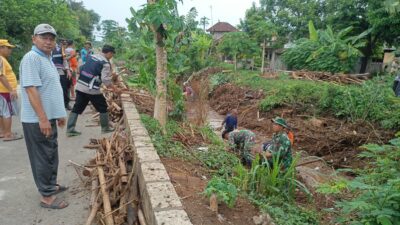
(372, 101)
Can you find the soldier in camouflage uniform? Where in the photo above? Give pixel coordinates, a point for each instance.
(242, 141)
(280, 145)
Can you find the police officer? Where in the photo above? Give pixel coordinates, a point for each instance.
(96, 71)
(60, 61)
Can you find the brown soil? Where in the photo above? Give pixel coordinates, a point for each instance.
(189, 182)
(332, 139)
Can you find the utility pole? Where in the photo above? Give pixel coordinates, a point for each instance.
(212, 22)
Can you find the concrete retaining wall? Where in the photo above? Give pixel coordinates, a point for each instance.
(160, 202)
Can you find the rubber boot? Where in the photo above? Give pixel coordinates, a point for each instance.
(105, 128)
(71, 132)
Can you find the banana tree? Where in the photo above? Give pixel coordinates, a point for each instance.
(159, 16)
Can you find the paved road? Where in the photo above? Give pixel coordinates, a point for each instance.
(19, 199)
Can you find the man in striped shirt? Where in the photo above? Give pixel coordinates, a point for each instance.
(41, 111)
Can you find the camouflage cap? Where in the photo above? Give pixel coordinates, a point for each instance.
(280, 121)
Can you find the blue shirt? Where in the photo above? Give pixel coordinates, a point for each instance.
(38, 70)
(84, 54)
(230, 122)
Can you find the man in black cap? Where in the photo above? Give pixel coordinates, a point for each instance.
(96, 71)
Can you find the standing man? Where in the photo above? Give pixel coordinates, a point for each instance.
(42, 109)
(96, 71)
(8, 93)
(86, 51)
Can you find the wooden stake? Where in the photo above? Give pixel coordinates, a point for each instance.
(106, 198)
(94, 203)
(214, 203)
(142, 220)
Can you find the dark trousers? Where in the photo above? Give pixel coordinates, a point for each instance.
(65, 84)
(227, 130)
(82, 100)
(43, 156)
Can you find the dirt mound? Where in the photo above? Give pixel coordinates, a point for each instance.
(334, 140)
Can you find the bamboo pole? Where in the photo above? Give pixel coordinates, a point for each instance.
(106, 198)
(123, 173)
(142, 220)
(94, 203)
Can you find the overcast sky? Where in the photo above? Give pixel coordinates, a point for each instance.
(230, 11)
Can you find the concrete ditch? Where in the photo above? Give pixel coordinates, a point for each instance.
(160, 203)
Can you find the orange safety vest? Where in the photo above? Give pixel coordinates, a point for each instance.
(291, 137)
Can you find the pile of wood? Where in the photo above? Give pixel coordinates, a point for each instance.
(112, 200)
(189, 136)
(143, 100)
(339, 78)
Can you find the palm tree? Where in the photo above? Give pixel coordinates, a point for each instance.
(204, 22)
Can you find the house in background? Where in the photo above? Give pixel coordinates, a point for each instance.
(219, 29)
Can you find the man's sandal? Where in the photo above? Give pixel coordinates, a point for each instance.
(60, 189)
(58, 203)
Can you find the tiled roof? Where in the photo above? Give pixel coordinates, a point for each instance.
(222, 27)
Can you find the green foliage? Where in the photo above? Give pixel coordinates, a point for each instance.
(219, 160)
(19, 18)
(333, 187)
(324, 51)
(238, 45)
(257, 26)
(218, 79)
(163, 143)
(371, 101)
(284, 213)
(376, 188)
(175, 95)
(225, 191)
(264, 180)
(115, 35)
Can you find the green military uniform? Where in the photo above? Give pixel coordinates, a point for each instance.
(280, 145)
(242, 141)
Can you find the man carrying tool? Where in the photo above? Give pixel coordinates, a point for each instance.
(96, 71)
(280, 147)
(242, 141)
(230, 122)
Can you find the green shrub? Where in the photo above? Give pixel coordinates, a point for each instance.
(325, 50)
(376, 188)
(284, 213)
(371, 101)
(225, 191)
(219, 79)
(218, 159)
(163, 143)
(264, 180)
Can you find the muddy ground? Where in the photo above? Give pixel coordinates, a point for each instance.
(189, 180)
(334, 140)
